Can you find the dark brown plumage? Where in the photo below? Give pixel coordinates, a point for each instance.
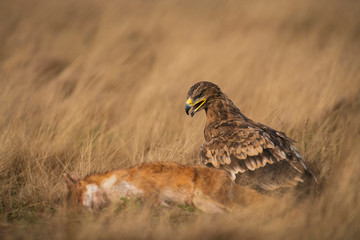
(263, 157)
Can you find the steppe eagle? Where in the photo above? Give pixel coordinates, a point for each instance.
(265, 159)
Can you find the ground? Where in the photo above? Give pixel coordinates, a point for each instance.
(91, 86)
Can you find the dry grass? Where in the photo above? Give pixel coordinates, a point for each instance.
(90, 86)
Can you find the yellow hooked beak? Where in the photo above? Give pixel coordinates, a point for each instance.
(193, 107)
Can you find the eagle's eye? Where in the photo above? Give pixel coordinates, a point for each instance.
(200, 94)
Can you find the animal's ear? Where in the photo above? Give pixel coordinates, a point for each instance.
(71, 180)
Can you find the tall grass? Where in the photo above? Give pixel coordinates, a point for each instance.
(90, 86)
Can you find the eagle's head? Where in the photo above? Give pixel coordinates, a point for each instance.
(200, 95)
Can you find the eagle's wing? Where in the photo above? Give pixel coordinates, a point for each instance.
(245, 148)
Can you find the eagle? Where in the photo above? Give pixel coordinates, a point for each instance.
(252, 153)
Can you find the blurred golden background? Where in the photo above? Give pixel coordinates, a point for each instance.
(90, 86)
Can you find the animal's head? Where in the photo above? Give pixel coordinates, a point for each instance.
(200, 95)
(84, 194)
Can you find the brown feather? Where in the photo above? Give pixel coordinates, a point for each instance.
(249, 165)
(259, 162)
(237, 167)
(259, 149)
(253, 163)
(242, 156)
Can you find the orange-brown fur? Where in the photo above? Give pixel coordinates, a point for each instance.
(208, 189)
